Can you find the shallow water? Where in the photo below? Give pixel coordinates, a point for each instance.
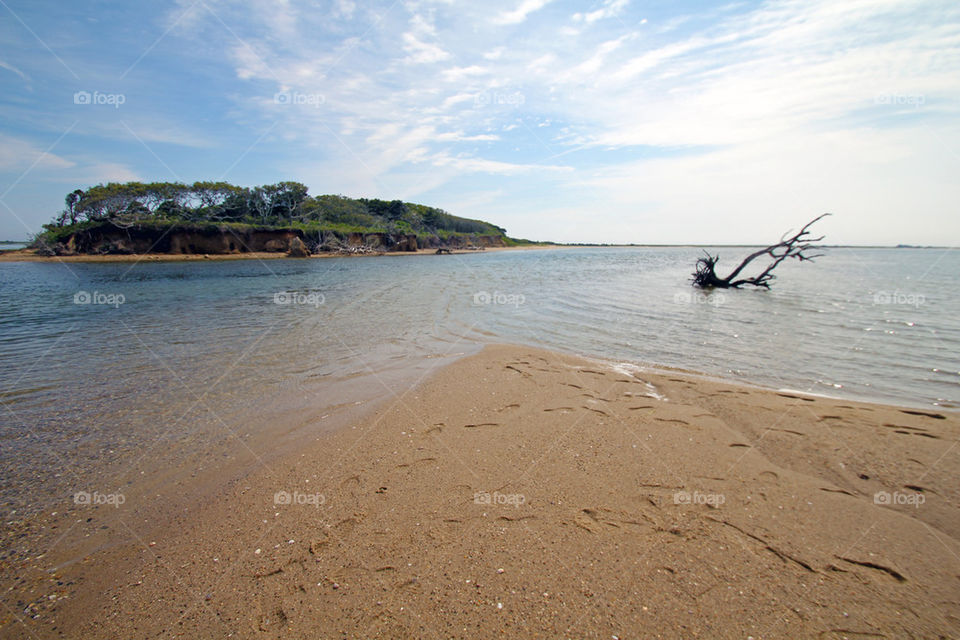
(115, 366)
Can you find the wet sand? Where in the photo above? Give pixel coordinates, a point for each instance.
(525, 493)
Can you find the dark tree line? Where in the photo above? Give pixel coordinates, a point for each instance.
(200, 201)
(281, 204)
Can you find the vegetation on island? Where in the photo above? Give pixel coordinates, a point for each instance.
(284, 205)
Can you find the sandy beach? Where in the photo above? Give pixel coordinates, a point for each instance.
(525, 493)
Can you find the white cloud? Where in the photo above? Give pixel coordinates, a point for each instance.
(17, 154)
(13, 69)
(494, 166)
(345, 8)
(609, 9)
(524, 9)
(458, 74)
(459, 136)
(589, 67)
(422, 52)
(105, 172)
(414, 42)
(37, 165)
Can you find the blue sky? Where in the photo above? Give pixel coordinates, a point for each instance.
(598, 121)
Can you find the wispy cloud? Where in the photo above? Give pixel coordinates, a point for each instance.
(17, 154)
(524, 9)
(609, 9)
(13, 69)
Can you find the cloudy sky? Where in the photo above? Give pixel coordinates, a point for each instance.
(659, 121)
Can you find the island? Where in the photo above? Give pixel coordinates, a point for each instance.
(219, 218)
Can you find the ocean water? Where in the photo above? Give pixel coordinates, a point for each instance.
(105, 368)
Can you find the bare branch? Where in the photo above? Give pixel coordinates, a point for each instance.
(799, 246)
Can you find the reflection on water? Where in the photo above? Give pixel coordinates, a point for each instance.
(107, 364)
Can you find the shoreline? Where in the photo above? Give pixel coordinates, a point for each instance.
(599, 545)
(30, 256)
(712, 378)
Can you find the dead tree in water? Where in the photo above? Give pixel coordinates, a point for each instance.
(796, 246)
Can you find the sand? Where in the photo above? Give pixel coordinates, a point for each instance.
(523, 493)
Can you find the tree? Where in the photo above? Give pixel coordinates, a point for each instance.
(796, 246)
(260, 201)
(72, 199)
(288, 197)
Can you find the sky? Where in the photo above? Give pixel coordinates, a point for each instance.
(608, 121)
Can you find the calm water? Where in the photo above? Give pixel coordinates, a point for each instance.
(105, 365)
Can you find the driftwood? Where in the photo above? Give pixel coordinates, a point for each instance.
(798, 246)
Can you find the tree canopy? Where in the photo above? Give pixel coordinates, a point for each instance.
(282, 204)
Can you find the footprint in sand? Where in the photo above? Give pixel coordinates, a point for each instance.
(603, 413)
(415, 462)
(523, 373)
(516, 518)
(890, 425)
(893, 573)
(596, 373)
(926, 414)
(588, 519)
(843, 491)
(790, 431)
(918, 488)
(792, 397)
(346, 525)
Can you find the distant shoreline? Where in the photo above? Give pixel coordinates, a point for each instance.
(29, 255)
